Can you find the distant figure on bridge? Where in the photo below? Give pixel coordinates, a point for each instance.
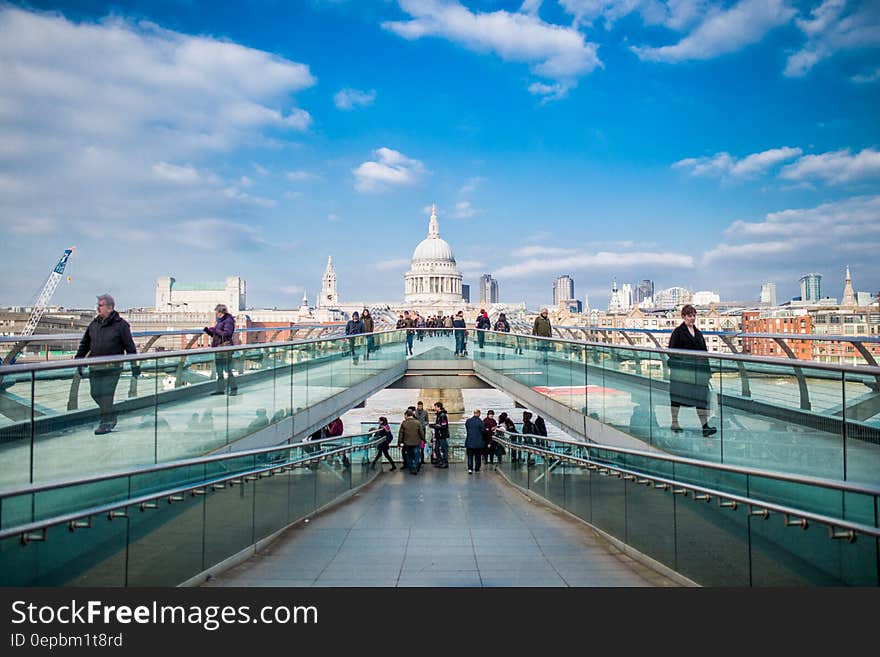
(354, 326)
(475, 441)
(542, 327)
(441, 435)
(409, 323)
(409, 436)
(482, 324)
(223, 335)
(460, 334)
(107, 335)
(369, 327)
(689, 377)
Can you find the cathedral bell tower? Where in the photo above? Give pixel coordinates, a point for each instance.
(329, 296)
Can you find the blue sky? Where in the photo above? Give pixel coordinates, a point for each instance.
(715, 145)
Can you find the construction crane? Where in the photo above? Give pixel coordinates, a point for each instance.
(46, 293)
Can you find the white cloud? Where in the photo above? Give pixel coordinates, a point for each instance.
(674, 14)
(36, 226)
(831, 28)
(292, 290)
(299, 176)
(236, 194)
(390, 169)
(723, 164)
(723, 31)
(464, 210)
(582, 261)
(549, 92)
(471, 185)
(836, 167)
(553, 52)
(530, 251)
(110, 123)
(868, 77)
(348, 99)
(176, 174)
(811, 234)
(217, 234)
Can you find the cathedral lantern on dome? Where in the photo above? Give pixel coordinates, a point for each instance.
(433, 278)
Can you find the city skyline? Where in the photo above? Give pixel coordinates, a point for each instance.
(713, 146)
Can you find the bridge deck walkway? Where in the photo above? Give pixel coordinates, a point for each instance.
(441, 528)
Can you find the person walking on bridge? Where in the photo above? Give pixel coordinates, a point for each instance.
(354, 326)
(107, 335)
(501, 326)
(223, 335)
(384, 432)
(460, 334)
(475, 441)
(369, 327)
(542, 328)
(422, 416)
(689, 377)
(482, 325)
(441, 435)
(410, 436)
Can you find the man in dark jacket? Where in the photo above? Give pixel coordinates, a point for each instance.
(441, 435)
(542, 326)
(410, 436)
(543, 329)
(474, 441)
(107, 335)
(222, 335)
(460, 334)
(354, 326)
(482, 324)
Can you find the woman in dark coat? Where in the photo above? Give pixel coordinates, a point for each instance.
(369, 327)
(689, 377)
(384, 432)
(222, 335)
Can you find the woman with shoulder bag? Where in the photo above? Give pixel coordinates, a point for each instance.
(222, 335)
(384, 432)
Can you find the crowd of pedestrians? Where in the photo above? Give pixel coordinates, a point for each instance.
(423, 441)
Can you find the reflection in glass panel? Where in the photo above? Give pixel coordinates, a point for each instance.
(166, 543)
(862, 414)
(712, 542)
(228, 521)
(16, 426)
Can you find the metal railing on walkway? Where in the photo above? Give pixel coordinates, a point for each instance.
(172, 523)
(719, 525)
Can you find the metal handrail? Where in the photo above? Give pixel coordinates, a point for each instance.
(169, 465)
(768, 360)
(49, 337)
(764, 507)
(827, 337)
(736, 469)
(154, 355)
(24, 530)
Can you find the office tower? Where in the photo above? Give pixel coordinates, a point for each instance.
(466, 293)
(644, 290)
(563, 289)
(811, 288)
(768, 294)
(488, 290)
